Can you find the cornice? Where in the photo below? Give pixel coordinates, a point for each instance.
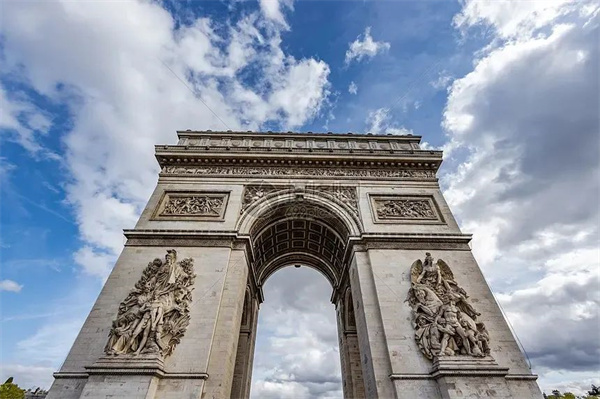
(285, 150)
(289, 134)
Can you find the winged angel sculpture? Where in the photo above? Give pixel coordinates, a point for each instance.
(155, 314)
(444, 320)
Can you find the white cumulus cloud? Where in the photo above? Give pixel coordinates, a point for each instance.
(527, 118)
(353, 88)
(153, 79)
(379, 121)
(365, 47)
(273, 10)
(9, 285)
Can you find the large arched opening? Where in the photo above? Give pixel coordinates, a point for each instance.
(300, 229)
(296, 353)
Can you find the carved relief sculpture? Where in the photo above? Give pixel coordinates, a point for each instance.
(444, 320)
(256, 192)
(405, 209)
(298, 171)
(347, 195)
(155, 314)
(193, 205)
(344, 194)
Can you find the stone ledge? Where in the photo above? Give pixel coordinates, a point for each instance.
(522, 377)
(137, 365)
(70, 374)
(411, 377)
(464, 366)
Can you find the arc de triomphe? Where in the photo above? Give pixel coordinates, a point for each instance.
(177, 317)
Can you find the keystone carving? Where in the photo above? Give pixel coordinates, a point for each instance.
(193, 205)
(405, 209)
(444, 320)
(154, 316)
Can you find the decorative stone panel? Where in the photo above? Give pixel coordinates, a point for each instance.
(298, 172)
(405, 209)
(445, 321)
(155, 315)
(344, 194)
(192, 205)
(277, 142)
(255, 192)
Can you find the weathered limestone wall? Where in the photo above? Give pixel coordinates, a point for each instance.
(371, 335)
(391, 269)
(214, 358)
(191, 356)
(221, 363)
(369, 190)
(245, 351)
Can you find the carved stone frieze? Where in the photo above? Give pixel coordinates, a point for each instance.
(408, 209)
(192, 205)
(405, 209)
(280, 143)
(445, 322)
(344, 194)
(155, 315)
(202, 205)
(298, 171)
(253, 193)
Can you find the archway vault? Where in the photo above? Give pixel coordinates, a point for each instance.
(299, 227)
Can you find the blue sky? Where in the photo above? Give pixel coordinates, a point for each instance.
(508, 89)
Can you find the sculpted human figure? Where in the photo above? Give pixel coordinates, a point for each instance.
(471, 333)
(483, 338)
(445, 322)
(460, 297)
(431, 271)
(448, 345)
(450, 313)
(162, 294)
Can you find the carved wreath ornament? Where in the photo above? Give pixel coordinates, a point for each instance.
(444, 320)
(155, 314)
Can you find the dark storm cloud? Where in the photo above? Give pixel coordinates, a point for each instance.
(541, 111)
(528, 115)
(558, 337)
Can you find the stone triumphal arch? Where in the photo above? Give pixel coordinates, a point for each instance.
(177, 317)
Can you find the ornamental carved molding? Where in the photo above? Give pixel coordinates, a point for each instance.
(298, 171)
(186, 205)
(410, 209)
(281, 143)
(344, 194)
(254, 193)
(445, 322)
(155, 315)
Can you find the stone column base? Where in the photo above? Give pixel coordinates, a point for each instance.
(466, 376)
(126, 365)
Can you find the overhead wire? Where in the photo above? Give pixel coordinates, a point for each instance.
(195, 93)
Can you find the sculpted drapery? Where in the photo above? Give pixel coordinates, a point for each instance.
(155, 314)
(444, 320)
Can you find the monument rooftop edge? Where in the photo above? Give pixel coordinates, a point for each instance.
(333, 149)
(200, 133)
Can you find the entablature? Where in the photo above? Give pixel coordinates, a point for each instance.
(306, 154)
